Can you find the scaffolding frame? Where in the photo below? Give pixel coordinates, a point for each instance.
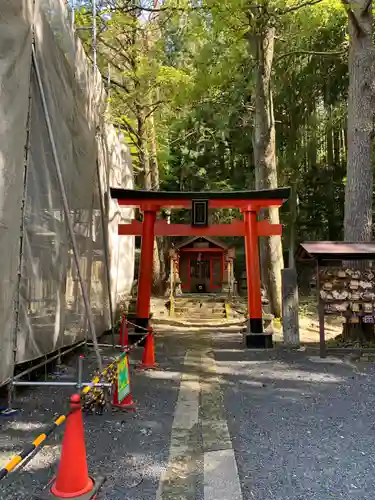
(14, 380)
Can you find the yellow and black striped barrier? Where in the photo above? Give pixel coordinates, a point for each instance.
(17, 459)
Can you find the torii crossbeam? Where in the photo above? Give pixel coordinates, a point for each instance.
(248, 202)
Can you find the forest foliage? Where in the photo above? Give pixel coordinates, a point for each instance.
(240, 94)
(188, 66)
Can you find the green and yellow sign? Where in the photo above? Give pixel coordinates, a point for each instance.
(123, 385)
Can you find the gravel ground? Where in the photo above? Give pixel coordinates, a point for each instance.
(130, 449)
(301, 429)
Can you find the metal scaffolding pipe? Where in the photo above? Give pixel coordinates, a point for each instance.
(108, 345)
(45, 362)
(80, 371)
(73, 13)
(66, 210)
(94, 59)
(17, 303)
(106, 256)
(61, 384)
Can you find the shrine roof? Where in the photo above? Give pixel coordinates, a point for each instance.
(189, 241)
(143, 195)
(336, 250)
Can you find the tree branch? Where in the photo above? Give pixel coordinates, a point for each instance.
(293, 8)
(119, 85)
(116, 52)
(153, 108)
(128, 102)
(132, 7)
(366, 8)
(352, 17)
(130, 129)
(309, 53)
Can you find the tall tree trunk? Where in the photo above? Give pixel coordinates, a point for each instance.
(313, 140)
(159, 264)
(293, 207)
(337, 149)
(330, 138)
(144, 164)
(158, 257)
(147, 166)
(144, 161)
(264, 143)
(154, 165)
(360, 130)
(330, 166)
(359, 176)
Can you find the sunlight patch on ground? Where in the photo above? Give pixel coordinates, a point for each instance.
(297, 375)
(25, 426)
(329, 360)
(44, 459)
(238, 367)
(162, 375)
(277, 371)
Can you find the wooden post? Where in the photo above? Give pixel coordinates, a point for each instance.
(172, 276)
(172, 294)
(229, 266)
(290, 307)
(322, 339)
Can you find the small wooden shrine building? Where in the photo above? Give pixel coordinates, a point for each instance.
(203, 265)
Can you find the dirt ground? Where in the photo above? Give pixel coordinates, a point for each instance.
(308, 320)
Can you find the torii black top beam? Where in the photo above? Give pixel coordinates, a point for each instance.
(143, 195)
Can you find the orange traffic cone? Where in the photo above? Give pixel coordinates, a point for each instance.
(148, 357)
(127, 403)
(124, 332)
(72, 479)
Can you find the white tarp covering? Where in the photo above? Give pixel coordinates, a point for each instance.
(51, 311)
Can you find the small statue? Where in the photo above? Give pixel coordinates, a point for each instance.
(134, 288)
(167, 287)
(177, 287)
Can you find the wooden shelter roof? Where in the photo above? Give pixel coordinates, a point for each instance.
(335, 250)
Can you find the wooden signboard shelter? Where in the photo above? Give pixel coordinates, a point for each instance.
(248, 202)
(345, 274)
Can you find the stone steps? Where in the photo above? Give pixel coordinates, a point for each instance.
(202, 322)
(200, 309)
(201, 316)
(194, 309)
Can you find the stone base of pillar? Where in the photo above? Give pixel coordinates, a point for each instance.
(258, 340)
(139, 330)
(254, 337)
(142, 324)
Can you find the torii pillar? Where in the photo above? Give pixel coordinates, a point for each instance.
(145, 270)
(254, 337)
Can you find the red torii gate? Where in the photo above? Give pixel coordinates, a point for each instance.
(249, 202)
